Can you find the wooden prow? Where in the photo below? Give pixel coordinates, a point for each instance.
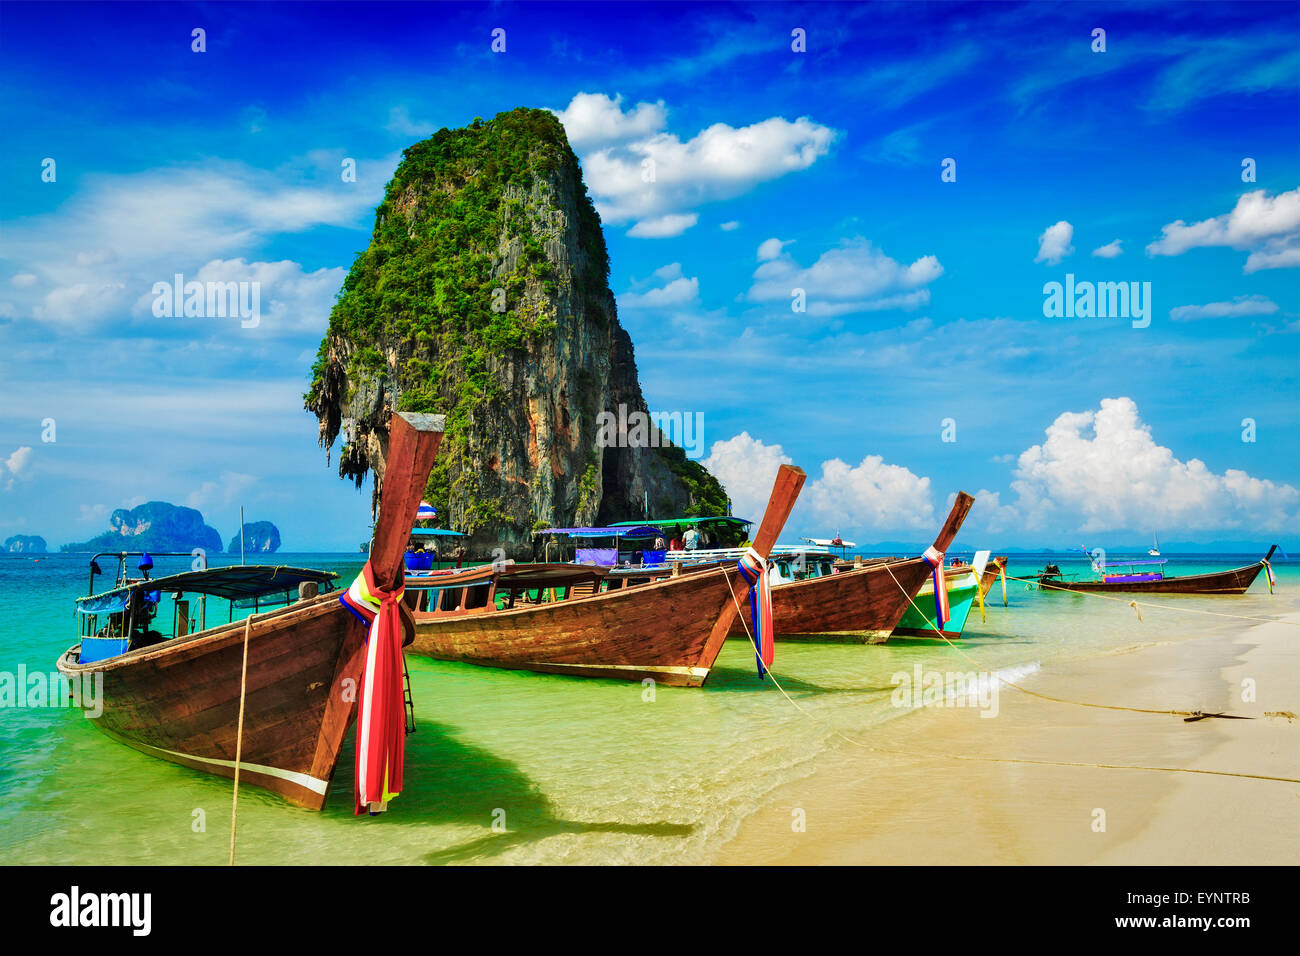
(1269, 556)
(785, 492)
(412, 446)
(960, 508)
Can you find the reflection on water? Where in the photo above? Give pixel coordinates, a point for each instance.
(568, 770)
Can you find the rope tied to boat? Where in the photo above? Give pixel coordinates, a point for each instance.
(934, 558)
(381, 704)
(753, 568)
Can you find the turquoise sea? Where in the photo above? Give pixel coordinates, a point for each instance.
(570, 770)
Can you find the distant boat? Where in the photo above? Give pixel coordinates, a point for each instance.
(1139, 577)
(1155, 546)
(176, 695)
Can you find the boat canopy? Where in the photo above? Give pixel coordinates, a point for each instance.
(674, 523)
(614, 531)
(239, 582)
(436, 533)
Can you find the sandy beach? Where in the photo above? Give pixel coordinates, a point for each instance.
(865, 807)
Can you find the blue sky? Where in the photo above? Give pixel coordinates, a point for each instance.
(776, 170)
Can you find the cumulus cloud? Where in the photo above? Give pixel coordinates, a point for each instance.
(291, 299)
(641, 174)
(1054, 244)
(869, 496)
(729, 226)
(1267, 225)
(18, 460)
(675, 291)
(1101, 471)
(1110, 250)
(92, 257)
(853, 277)
(595, 120)
(1241, 305)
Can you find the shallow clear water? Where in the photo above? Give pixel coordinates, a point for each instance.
(577, 770)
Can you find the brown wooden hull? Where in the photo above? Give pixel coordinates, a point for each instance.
(180, 700)
(861, 605)
(990, 575)
(1233, 581)
(659, 631)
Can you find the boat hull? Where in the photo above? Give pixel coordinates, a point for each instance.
(661, 631)
(919, 620)
(179, 700)
(1232, 581)
(862, 605)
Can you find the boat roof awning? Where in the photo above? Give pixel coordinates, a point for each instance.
(232, 583)
(436, 533)
(614, 531)
(687, 522)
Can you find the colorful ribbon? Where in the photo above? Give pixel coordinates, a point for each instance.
(381, 718)
(753, 568)
(934, 558)
(1268, 575)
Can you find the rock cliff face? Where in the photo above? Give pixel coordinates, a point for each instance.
(25, 544)
(153, 526)
(260, 537)
(484, 295)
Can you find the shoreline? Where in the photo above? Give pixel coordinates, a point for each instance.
(864, 807)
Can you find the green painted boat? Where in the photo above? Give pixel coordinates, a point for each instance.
(963, 592)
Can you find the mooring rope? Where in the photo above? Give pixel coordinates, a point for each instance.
(1134, 603)
(981, 757)
(239, 737)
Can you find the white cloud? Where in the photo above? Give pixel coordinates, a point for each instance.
(640, 174)
(23, 279)
(291, 300)
(869, 496)
(1241, 305)
(853, 277)
(678, 290)
(1110, 250)
(93, 513)
(1267, 225)
(104, 247)
(1101, 471)
(1054, 243)
(17, 461)
(664, 227)
(225, 491)
(729, 226)
(594, 120)
(400, 123)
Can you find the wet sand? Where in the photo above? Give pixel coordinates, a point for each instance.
(864, 807)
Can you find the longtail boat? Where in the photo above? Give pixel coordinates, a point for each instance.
(963, 584)
(178, 696)
(995, 569)
(586, 621)
(1138, 577)
(862, 604)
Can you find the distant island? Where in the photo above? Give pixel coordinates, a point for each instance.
(25, 544)
(259, 536)
(153, 526)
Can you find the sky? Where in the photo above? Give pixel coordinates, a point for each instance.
(833, 230)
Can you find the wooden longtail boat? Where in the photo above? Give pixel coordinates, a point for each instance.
(963, 586)
(1231, 581)
(178, 698)
(563, 619)
(863, 604)
(997, 568)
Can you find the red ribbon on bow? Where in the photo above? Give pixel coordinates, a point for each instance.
(381, 719)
